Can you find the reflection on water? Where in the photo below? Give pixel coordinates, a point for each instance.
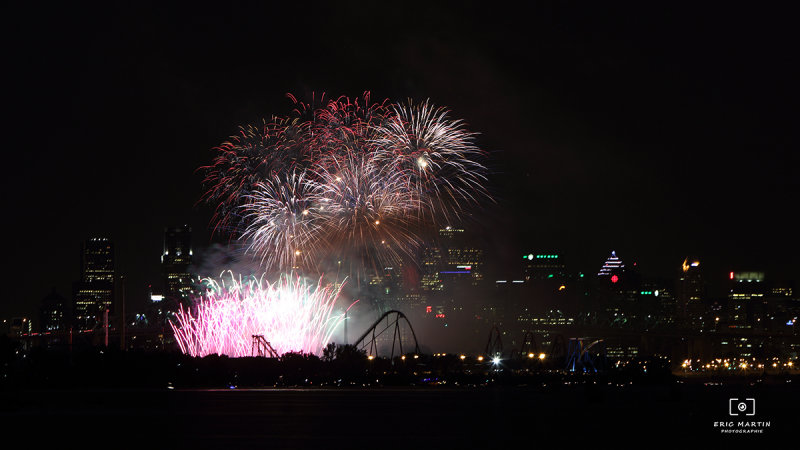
(422, 417)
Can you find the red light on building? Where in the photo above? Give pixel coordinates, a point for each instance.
(731, 275)
(428, 309)
(440, 316)
(614, 278)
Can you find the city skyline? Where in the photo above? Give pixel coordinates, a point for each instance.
(506, 270)
(449, 275)
(445, 224)
(659, 147)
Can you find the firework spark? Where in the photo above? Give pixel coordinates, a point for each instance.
(291, 314)
(438, 156)
(283, 221)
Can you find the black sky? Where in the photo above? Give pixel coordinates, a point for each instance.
(656, 131)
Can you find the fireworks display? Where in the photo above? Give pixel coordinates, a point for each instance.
(291, 314)
(350, 175)
(351, 178)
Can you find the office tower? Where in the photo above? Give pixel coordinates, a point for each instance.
(431, 264)
(617, 293)
(175, 261)
(612, 268)
(452, 264)
(692, 310)
(657, 304)
(53, 313)
(543, 266)
(19, 326)
(94, 293)
(745, 298)
(461, 260)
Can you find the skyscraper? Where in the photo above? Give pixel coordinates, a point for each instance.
(94, 293)
(542, 266)
(612, 268)
(53, 313)
(454, 262)
(745, 298)
(690, 295)
(175, 261)
(462, 260)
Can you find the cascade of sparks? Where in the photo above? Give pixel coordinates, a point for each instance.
(291, 314)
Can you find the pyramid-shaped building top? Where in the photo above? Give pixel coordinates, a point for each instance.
(612, 264)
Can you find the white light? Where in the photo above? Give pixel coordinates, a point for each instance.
(496, 360)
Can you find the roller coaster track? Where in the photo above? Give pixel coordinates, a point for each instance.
(579, 356)
(494, 345)
(392, 321)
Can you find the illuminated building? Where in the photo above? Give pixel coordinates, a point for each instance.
(431, 263)
(542, 266)
(745, 298)
(543, 325)
(612, 268)
(621, 351)
(175, 261)
(385, 289)
(53, 313)
(618, 293)
(454, 263)
(657, 304)
(690, 295)
(781, 309)
(507, 302)
(549, 285)
(94, 293)
(19, 326)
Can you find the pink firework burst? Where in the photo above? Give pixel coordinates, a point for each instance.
(292, 314)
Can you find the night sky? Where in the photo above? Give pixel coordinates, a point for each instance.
(658, 132)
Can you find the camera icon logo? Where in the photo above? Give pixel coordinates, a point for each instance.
(745, 407)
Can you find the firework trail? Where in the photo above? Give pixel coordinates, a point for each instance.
(282, 218)
(365, 206)
(249, 157)
(437, 155)
(291, 314)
